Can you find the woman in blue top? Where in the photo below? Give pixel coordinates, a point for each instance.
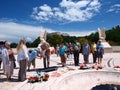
(63, 48)
(100, 52)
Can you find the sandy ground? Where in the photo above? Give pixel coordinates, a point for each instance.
(55, 61)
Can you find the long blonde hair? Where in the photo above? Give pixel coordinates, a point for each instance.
(20, 45)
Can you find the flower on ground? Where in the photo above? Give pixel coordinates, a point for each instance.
(82, 66)
(97, 67)
(117, 66)
(38, 77)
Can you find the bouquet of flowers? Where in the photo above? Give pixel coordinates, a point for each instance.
(117, 68)
(84, 66)
(97, 67)
(39, 77)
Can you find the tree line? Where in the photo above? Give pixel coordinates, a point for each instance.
(112, 36)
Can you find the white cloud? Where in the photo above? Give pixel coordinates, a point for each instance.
(45, 8)
(115, 8)
(29, 39)
(117, 5)
(68, 10)
(13, 32)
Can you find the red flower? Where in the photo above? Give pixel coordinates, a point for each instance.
(46, 76)
(32, 78)
(81, 66)
(38, 78)
(93, 67)
(116, 66)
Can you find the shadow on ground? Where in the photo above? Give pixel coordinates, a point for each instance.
(5, 80)
(53, 68)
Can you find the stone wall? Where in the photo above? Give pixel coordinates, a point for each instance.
(116, 48)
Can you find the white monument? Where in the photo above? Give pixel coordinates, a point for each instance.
(102, 36)
(43, 34)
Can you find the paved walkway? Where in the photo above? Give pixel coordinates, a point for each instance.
(55, 61)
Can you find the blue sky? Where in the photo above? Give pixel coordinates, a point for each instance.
(26, 18)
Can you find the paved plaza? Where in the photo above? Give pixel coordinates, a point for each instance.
(69, 78)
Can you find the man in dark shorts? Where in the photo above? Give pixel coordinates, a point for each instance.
(100, 52)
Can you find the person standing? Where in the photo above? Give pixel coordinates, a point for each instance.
(76, 50)
(94, 52)
(22, 57)
(46, 56)
(63, 57)
(6, 62)
(44, 49)
(11, 59)
(70, 51)
(86, 52)
(100, 52)
(57, 50)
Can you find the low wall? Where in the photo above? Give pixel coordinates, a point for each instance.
(86, 80)
(116, 48)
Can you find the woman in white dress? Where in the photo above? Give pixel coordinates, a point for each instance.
(6, 62)
(11, 58)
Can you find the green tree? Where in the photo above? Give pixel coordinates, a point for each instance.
(55, 39)
(35, 42)
(13, 45)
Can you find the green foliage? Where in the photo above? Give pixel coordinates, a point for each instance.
(35, 43)
(55, 39)
(13, 45)
(94, 37)
(82, 40)
(113, 35)
(69, 39)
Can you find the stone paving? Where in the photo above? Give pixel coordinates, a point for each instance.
(54, 83)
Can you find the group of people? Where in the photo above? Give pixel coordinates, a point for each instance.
(66, 50)
(25, 58)
(8, 59)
